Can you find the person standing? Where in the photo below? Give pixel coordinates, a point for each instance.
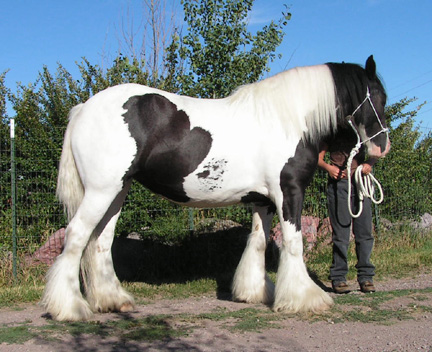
(339, 148)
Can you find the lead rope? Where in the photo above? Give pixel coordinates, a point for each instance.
(364, 183)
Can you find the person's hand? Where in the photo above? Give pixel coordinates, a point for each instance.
(366, 169)
(336, 173)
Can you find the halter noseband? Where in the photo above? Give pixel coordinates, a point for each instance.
(350, 117)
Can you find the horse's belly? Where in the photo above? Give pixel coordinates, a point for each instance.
(221, 181)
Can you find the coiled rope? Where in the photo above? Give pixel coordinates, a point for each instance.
(365, 185)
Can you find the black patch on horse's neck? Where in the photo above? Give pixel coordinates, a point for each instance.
(167, 149)
(295, 176)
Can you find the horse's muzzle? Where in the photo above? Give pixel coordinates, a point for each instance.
(377, 152)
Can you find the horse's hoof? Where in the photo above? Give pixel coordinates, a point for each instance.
(126, 307)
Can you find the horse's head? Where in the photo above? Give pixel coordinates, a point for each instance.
(362, 99)
(368, 118)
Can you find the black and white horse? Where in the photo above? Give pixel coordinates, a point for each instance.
(259, 146)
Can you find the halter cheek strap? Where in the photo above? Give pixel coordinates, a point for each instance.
(365, 183)
(350, 118)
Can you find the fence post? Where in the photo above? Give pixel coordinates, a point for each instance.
(191, 220)
(13, 200)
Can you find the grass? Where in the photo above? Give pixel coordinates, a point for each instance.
(243, 320)
(396, 254)
(144, 293)
(146, 329)
(373, 308)
(28, 286)
(16, 334)
(399, 254)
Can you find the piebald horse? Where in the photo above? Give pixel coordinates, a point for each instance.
(259, 145)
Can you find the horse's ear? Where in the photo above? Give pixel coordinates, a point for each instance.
(370, 67)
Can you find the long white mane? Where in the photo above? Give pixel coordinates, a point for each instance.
(301, 100)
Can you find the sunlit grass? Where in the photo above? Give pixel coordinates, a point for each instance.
(403, 253)
(396, 254)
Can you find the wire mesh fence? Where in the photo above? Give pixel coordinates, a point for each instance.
(31, 214)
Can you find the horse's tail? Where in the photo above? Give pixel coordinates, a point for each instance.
(70, 190)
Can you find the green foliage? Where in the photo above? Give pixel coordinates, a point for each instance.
(5, 177)
(123, 70)
(144, 212)
(218, 53)
(315, 203)
(406, 171)
(3, 93)
(237, 213)
(41, 116)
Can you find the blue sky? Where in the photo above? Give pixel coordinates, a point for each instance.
(397, 32)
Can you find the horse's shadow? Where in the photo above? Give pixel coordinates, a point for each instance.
(208, 255)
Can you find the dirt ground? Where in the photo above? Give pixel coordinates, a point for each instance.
(290, 334)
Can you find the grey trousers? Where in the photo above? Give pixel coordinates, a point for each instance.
(340, 219)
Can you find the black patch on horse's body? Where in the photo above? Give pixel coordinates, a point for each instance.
(211, 178)
(295, 176)
(203, 174)
(167, 149)
(260, 200)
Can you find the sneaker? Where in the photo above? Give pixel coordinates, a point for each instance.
(340, 287)
(367, 287)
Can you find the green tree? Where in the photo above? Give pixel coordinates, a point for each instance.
(219, 53)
